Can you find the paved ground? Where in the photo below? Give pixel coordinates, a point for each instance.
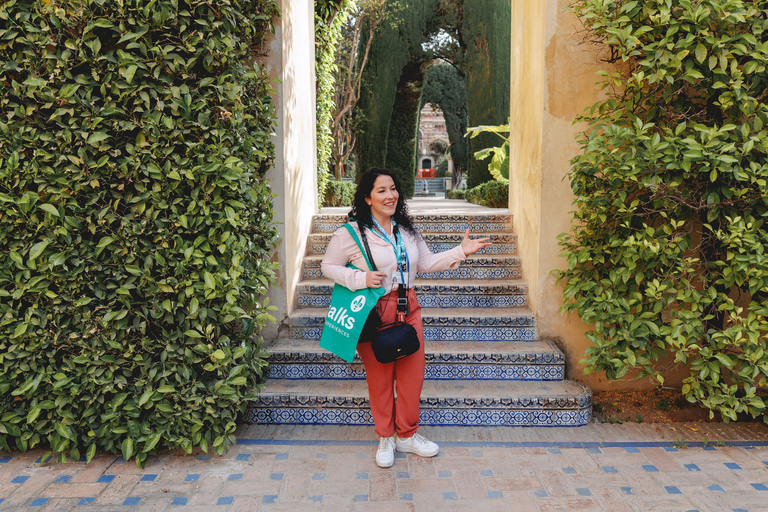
(598, 467)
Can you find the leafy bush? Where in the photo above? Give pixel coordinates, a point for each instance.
(455, 194)
(136, 224)
(339, 193)
(498, 167)
(442, 168)
(667, 250)
(493, 194)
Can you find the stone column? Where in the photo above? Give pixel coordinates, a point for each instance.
(294, 176)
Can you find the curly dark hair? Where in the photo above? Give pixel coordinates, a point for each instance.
(361, 211)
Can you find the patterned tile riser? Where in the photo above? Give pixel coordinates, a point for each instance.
(432, 372)
(432, 301)
(340, 218)
(495, 418)
(435, 227)
(459, 273)
(576, 401)
(525, 358)
(445, 334)
(319, 248)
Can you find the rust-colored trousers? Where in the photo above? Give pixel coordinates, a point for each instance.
(404, 376)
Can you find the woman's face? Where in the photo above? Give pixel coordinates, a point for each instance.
(383, 198)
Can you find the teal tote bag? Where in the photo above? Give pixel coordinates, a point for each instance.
(348, 312)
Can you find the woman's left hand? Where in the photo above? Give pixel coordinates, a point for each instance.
(472, 246)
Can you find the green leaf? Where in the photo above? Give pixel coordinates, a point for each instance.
(209, 281)
(49, 208)
(37, 249)
(701, 52)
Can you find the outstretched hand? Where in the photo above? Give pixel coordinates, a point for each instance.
(470, 246)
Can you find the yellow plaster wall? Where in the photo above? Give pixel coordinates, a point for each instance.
(553, 79)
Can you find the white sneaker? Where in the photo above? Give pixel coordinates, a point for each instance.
(417, 444)
(385, 455)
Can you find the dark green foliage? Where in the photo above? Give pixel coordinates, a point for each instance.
(388, 97)
(455, 194)
(486, 66)
(404, 127)
(339, 193)
(666, 254)
(135, 225)
(442, 168)
(493, 194)
(444, 86)
(329, 17)
(482, 32)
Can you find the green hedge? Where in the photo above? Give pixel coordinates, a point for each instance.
(493, 194)
(339, 193)
(666, 253)
(135, 222)
(455, 194)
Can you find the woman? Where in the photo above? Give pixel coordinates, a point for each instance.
(398, 254)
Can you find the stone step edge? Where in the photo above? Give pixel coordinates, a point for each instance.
(580, 399)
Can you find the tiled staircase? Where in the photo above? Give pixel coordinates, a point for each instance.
(485, 364)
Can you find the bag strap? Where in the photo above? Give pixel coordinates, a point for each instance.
(402, 298)
(370, 263)
(367, 247)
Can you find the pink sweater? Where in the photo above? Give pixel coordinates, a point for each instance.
(343, 249)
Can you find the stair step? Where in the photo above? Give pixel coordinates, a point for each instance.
(503, 243)
(433, 293)
(328, 223)
(459, 324)
(474, 267)
(443, 402)
(494, 360)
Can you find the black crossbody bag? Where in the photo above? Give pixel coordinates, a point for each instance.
(394, 340)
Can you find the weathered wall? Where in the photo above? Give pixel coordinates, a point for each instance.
(553, 79)
(294, 176)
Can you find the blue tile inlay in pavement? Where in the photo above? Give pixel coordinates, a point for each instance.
(732, 465)
(408, 496)
(362, 476)
(650, 468)
(243, 456)
(85, 501)
(450, 496)
(63, 478)
(179, 500)
(131, 501)
(484, 472)
(584, 491)
(19, 479)
(716, 488)
(105, 479)
(610, 469)
(495, 494)
(361, 497)
(225, 500)
(671, 489)
(269, 498)
(149, 477)
(192, 477)
(316, 499)
(692, 467)
(759, 487)
(39, 502)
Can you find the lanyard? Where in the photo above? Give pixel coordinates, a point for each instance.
(397, 244)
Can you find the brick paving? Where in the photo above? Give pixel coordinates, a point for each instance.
(594, 468)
